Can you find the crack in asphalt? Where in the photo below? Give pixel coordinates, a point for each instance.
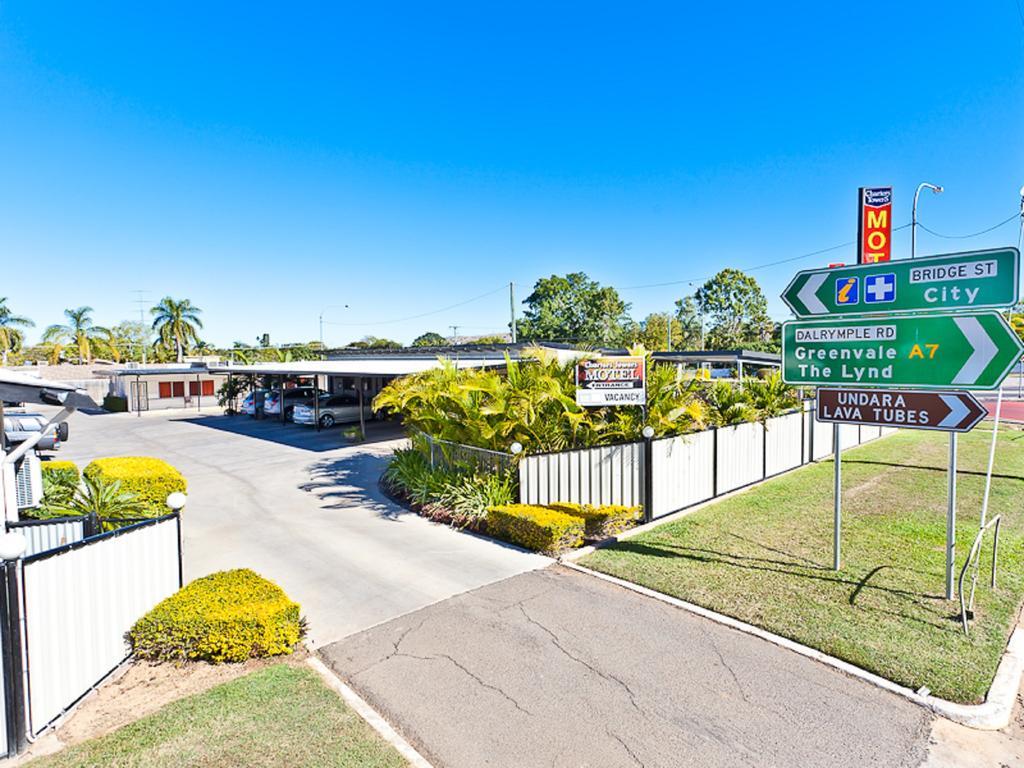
(484, 683)
(556, 641)
(724, 663)
(625, 746)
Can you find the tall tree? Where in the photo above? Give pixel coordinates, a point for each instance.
(574, 308)
(176, 324)
(654, 329)
(80, 333)
(11, 335)
(429, 339)
(735, 307)
(691, 323)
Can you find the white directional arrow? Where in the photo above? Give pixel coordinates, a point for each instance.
(957, 410)
(983, 346)
(808, 296)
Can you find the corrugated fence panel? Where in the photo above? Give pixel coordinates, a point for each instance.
(80, 603)
(868, 433)
(822, 439)
(607, 475)
(45, 536)
(783, 443)
(683, 471)
(740, 458)
(849, 436)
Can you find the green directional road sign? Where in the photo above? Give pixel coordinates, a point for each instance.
(967, 351)
(973, 280)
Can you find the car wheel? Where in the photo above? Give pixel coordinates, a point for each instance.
(326, 421)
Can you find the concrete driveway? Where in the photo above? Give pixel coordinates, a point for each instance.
(556, 668)
(302, 509)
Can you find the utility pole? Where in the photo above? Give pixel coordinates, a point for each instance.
(512, 303)
(141, 301)
(455, 334)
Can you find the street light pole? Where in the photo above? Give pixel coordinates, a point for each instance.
(913, 214)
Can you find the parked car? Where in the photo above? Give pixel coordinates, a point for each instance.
(18, 427)
(248, 404)
(334, 409)
(292, 397)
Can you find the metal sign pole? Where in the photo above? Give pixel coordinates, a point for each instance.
(837, 517)
(951, 518)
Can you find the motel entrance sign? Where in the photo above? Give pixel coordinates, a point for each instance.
(956, 281)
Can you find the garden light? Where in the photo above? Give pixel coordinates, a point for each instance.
(176, 501)
(648, 432)
(516, 448)
(12, 546)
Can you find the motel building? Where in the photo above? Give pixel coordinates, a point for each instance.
(164, 386)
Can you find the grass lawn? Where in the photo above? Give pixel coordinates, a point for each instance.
(765, 557)
(279, 716)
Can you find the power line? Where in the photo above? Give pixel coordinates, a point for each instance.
(1003, 223)
(504, 287)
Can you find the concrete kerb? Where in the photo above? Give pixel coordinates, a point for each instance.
(992, 715)
(369, 714)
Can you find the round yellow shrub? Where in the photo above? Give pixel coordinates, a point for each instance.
(226, 616)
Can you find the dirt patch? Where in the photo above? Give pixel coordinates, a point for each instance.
(144, 687)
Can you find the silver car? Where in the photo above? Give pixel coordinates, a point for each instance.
(334, 409)
(19, 427)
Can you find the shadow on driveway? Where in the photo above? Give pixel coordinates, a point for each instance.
(351, 481)
(304, 438)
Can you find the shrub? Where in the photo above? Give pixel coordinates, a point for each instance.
(115, 403)
(150, 480)
(226, 616)
(60, 479)
(600, 521)
(537, 528)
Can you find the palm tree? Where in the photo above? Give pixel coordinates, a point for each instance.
(11, 336)
(177, 324)
(80, 333)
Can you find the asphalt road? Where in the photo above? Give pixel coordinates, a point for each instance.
(302, 510)
(555, 668)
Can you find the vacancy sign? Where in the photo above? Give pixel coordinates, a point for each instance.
(969, 351)
(914, 409)
(874, 224)
(953, 281)
(611, 381)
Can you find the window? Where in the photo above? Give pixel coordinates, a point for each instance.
(165, 389)
(208, 388)
(177, 389)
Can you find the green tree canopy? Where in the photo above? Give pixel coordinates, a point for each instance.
(80, 333)
(12, 336)
(574, 308)
(374, 342)
(429, 339)
(653, 332)
(735, 311)
(177, 325)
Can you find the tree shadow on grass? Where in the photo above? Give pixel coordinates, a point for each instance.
(765, 565)
(930, 469)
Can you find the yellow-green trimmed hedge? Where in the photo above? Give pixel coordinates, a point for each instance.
(63, 472)
(533, 527)
(600, 521)
(226, 616)
(151, 480)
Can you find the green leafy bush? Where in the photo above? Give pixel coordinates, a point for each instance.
(60, 479)
(226, 616)
(150, 480)
(600, 521)
(456, 496)
(537, 528)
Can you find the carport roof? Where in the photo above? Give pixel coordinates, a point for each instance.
(21, 388)
(356, 366)
(720, 356)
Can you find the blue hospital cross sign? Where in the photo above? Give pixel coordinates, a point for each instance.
(880, 289)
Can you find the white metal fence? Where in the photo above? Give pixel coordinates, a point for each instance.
(78, 603)
(44, 535)
(685, 470)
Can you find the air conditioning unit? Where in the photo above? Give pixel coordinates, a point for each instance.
(28, 481)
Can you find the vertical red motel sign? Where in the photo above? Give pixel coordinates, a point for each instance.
(874, 224)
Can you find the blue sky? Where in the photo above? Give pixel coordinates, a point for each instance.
(268, 162)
